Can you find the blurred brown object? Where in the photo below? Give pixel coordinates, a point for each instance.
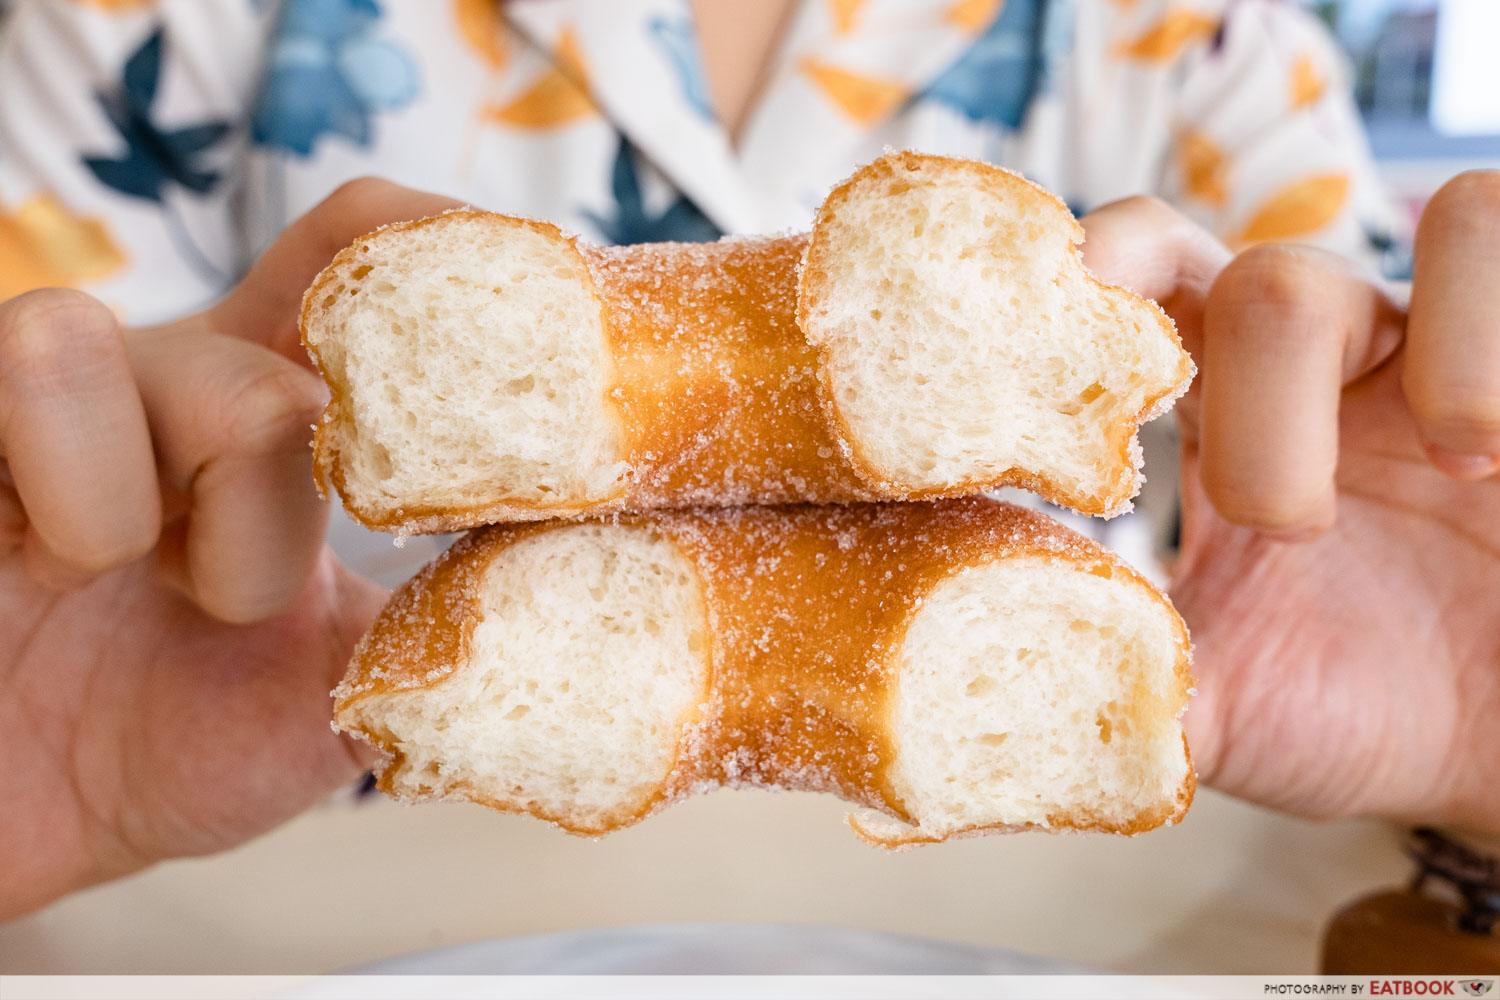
(1445, 922)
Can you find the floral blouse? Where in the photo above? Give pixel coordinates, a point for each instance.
(150, 148)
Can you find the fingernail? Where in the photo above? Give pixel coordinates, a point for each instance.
(1463, 466)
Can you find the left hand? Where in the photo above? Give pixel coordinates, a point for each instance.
(171, 619)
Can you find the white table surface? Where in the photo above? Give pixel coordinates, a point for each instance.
(1232, 890)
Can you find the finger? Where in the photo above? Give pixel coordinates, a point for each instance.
(1452, 371)
(1284, 329)
(232, 424)
(264, 307)
(74, 437)
(12, 514)
(1149, 247)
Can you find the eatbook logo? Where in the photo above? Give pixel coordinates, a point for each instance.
(1478, 987)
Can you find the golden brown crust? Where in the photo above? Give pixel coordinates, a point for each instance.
(722, 399)
(717, 387)
(806, 607)
(1115, 497)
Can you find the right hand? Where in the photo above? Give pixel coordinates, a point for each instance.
(171, 620)
(1340, 558)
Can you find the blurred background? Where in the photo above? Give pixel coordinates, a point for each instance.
(1427, 81)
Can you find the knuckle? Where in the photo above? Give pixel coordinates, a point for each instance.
(355, 196)
(271, 408)
(43, 331)
(1141, 212)
(1147, 204)
(1470, 194)
(1279, 282)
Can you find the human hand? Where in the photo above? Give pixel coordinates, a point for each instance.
(171, 620)
(1340, 563)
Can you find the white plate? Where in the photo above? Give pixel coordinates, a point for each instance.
(718, 949)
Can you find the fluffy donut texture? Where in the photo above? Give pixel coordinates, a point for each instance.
(964, 344)
(950, 668)
(935, 335)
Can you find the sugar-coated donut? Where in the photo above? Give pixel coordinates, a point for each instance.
(934, 335)
(950, 667)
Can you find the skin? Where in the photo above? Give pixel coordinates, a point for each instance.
(737, 40)
(171, 620)
(1340, 558)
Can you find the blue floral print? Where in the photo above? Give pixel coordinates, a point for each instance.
(1008, 66)
(330, 75)
(153, 157)
(681, 222)
(678, 40)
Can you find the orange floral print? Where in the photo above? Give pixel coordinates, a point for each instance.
(44, 243)
(1203, 165)
(1308, 82)
(974, 15)
(558, 97)
(865, 99)
(1176, 30)
(845, 14)
(1298, 209)
(483, 29)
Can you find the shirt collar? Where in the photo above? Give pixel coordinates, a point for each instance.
(842, 70)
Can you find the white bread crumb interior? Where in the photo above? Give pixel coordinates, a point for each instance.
(472, 351)
(589, 652)
(1028, 691)
(963, 336)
